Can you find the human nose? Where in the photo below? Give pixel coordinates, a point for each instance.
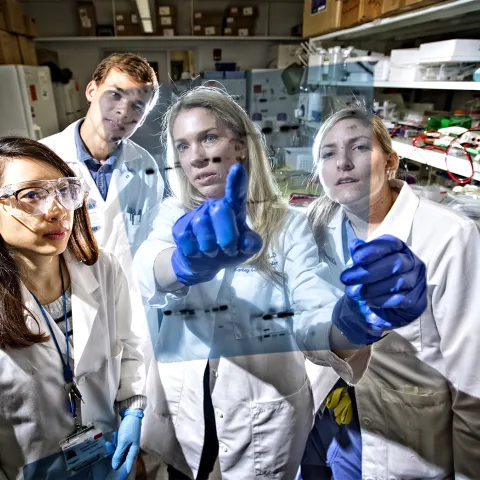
(344, 160)
(123, 109)
(198, 157)
(56, 210)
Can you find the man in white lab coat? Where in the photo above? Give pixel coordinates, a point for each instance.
(123, 180)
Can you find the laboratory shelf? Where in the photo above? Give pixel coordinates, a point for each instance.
(469, 86)
(156, 39)
(457, 165)
(451, 15)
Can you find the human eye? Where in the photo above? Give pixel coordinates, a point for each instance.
(31, 194)
(139, 108)
(362, 148)
(210, 138)
(181, 147)
(326, 155)
(115, 95)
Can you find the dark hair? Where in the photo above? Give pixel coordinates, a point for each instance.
(81, 245)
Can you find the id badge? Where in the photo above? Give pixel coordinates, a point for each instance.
(95, 212)
(83, 448)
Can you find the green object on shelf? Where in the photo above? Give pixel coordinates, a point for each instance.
(436, 122)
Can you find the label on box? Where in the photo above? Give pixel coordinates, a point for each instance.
(228, 31)
(166, 21)
(164, 11)
(43, 81)
(198, 15)
(247, 11)
(230, 20)
(210, 30)
(120, 18)
(121, 28)
(243, 32)
(234, 10)
(134, 18)
(168, 32)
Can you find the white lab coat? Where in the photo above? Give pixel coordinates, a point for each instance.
(136, 183)
(259, 387)
(419, 402)
(108, 367)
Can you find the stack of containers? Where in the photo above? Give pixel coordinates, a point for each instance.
(240, 21)
(404, 65)
(166, 20)
(207, 23)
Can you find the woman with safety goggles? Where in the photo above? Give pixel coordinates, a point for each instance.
(69, 362)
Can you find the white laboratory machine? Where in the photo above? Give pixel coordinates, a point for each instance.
(67, 100)
(27, 102)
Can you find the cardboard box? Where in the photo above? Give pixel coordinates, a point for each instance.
(421, 3)
(166, 22)
(27, 50)
(166, 32)
(359, 11)
(391, 6)
(9, 49)
(129, 18)
(166, 11)
(246, 11)
(30, 26)
(87, 19)
(129, 30)
(240, 22)
(12, 11)
(206, 19)
(212, 30)
(3, 25)
(321, 16)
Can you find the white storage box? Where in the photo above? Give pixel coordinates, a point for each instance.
(281, 56)
(405, 56)
(407, 73)
(450, 51)
(299, 158)
(382, 70)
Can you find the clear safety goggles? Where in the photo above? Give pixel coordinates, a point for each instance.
(36, 197)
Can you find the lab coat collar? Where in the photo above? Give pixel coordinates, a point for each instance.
(399, 219)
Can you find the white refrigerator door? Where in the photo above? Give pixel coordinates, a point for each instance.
(16, 117)
(42, 99)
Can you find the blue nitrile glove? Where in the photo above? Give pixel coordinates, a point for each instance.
(215, 235)
(127, 441)
(386, 288)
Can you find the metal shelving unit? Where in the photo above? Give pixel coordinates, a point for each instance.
(156, 39)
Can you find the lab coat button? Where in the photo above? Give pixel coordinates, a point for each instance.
(220, 414)
(367, 422)
(215, 373)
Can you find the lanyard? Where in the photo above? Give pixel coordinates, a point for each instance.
(67, 369)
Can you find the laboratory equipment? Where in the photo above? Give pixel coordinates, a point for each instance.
(450, 51)
(67, 101)
(27, 102)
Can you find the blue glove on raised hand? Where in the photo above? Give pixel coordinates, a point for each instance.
(386, 288)
(127, 440)
(215, 235)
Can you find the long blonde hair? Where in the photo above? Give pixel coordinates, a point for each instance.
(322, 210)
(266, 208)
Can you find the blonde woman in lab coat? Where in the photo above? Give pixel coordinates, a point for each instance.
(68, 357)
(229, 379)
(418, 405)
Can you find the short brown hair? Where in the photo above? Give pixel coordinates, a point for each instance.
(136, 67)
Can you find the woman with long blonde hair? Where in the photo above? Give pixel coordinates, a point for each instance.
(415, 412)
(237, 274)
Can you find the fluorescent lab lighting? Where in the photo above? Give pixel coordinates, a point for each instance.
(147, 25)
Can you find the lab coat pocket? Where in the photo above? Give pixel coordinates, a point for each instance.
(419, 431)
(132, 224)
(280, 430)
